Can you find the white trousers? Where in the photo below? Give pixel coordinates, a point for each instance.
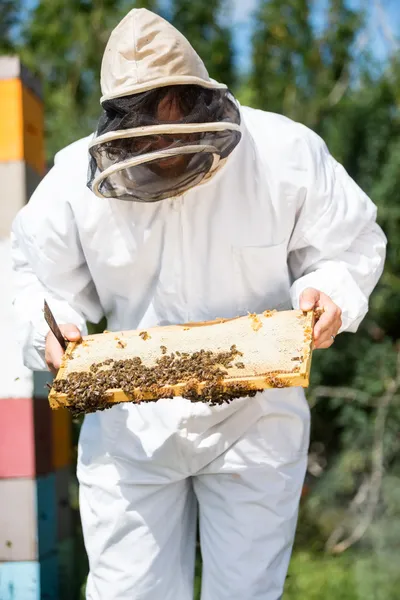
(143, 470)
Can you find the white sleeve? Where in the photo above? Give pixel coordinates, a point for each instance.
(48, 263)
(336, 246)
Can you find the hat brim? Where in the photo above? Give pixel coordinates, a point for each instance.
(164, 82)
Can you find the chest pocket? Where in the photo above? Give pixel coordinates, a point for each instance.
(261, 278)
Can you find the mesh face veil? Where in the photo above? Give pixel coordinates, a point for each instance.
(137, 156)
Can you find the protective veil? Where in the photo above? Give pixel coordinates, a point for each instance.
(137, 156)
(280, 216)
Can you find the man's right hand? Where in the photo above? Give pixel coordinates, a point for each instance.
(54, 352)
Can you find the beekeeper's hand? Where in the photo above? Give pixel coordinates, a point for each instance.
(330, 321)
(54, 352)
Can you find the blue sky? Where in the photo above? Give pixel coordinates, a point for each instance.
(243, 10)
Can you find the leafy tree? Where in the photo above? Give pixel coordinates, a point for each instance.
(10, 17)
(201, 23)
(298, 71)
(63, 42)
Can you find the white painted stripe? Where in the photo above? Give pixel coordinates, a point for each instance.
(16, 381)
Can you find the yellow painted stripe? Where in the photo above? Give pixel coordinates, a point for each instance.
(21, 125)
(11, 122)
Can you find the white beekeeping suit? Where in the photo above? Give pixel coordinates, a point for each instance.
(248, 230)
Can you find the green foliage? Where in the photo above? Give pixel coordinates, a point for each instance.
(97, 327)
(297, 71)
(201, 23)
(10, 16)
(63, 43)
(348, 577)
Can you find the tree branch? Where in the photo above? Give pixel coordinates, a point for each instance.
(342, 84)
(344, 393)
(369, 491)
(386, 30)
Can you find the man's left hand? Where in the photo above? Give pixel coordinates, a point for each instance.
(330, 321)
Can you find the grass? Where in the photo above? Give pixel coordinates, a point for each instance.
(352, 576)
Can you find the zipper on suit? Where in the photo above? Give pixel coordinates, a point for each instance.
(178, 206)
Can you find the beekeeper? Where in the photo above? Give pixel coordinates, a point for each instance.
(185, 206)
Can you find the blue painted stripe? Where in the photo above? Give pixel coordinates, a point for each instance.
(30, 580)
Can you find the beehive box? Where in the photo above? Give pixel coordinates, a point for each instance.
(212, 361)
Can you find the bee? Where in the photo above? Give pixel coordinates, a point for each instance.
(144, 335)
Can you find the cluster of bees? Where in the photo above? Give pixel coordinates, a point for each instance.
(200, 376)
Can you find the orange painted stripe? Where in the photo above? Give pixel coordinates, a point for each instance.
(33, 126)
(62, 438)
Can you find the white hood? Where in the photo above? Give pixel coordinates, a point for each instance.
(146, 52)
